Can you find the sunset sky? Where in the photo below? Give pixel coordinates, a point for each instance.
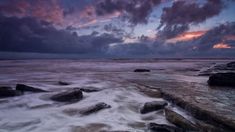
(119, 28)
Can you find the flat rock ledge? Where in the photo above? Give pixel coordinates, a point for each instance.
(154, 127)
(222, 122)
(179, 120)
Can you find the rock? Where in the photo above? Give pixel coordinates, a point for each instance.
(5, 88)
(63, 83)
(90, 89)
(4, 93)
(179, 120)
(204, 127)
(115, 131)
(94, 108)
(25, 88)
(231, 64)
(153, 106)
(68, 96)
(217, 69)
(163, 128)
(222, 79)
(141, 70)
(216, 117)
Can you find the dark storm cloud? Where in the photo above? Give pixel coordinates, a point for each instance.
(225, 33)
(136, 11)
(198, 47)
(177, 18)
(114, 30)
(29, 35)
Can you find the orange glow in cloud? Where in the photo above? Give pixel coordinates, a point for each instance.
(187, 36)
(221, 46)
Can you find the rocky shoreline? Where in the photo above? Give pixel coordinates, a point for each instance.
(195, 117)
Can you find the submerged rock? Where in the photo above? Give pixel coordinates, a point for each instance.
(86, 111)
(141, 70)
(25, 88)
(90, 89)
(163, 128)
(63, 83)
(94, 108)
(179, 120)
(222, 79)
(5, 92)
(68, 96)
(153, 106)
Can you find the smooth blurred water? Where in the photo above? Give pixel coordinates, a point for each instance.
(36, 113)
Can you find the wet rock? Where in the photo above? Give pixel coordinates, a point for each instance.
(90, 89)
(201, 113)
(222, 79)
(93, 127)
(153, 106)
(5, 92)
(94, 108)
(154, 127)
(115, 131)
(218, 68)
(68, 96)
(155, 93)
(63, 83)
(5, 88)
(25, 88)
(204, 127)
(179, 120)
(231, 64)
(141, 70)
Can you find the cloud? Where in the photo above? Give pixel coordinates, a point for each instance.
(217, 42)
(221, 34)
(177, 18)
(30, 35)
(135, 11)
(187, 36)
(49, 10)
(110, 28)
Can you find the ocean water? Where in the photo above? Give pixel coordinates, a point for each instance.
(37, 113)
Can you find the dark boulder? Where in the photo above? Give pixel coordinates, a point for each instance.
(68, 96)
(179, 120)
(153, 106)
(154, 127)
(141, 70)
(222, 79)
(63, 83)
(95, 108)
(4, 93)
(25, 88)
(231, 64)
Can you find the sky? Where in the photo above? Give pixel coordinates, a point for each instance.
(119, 28)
